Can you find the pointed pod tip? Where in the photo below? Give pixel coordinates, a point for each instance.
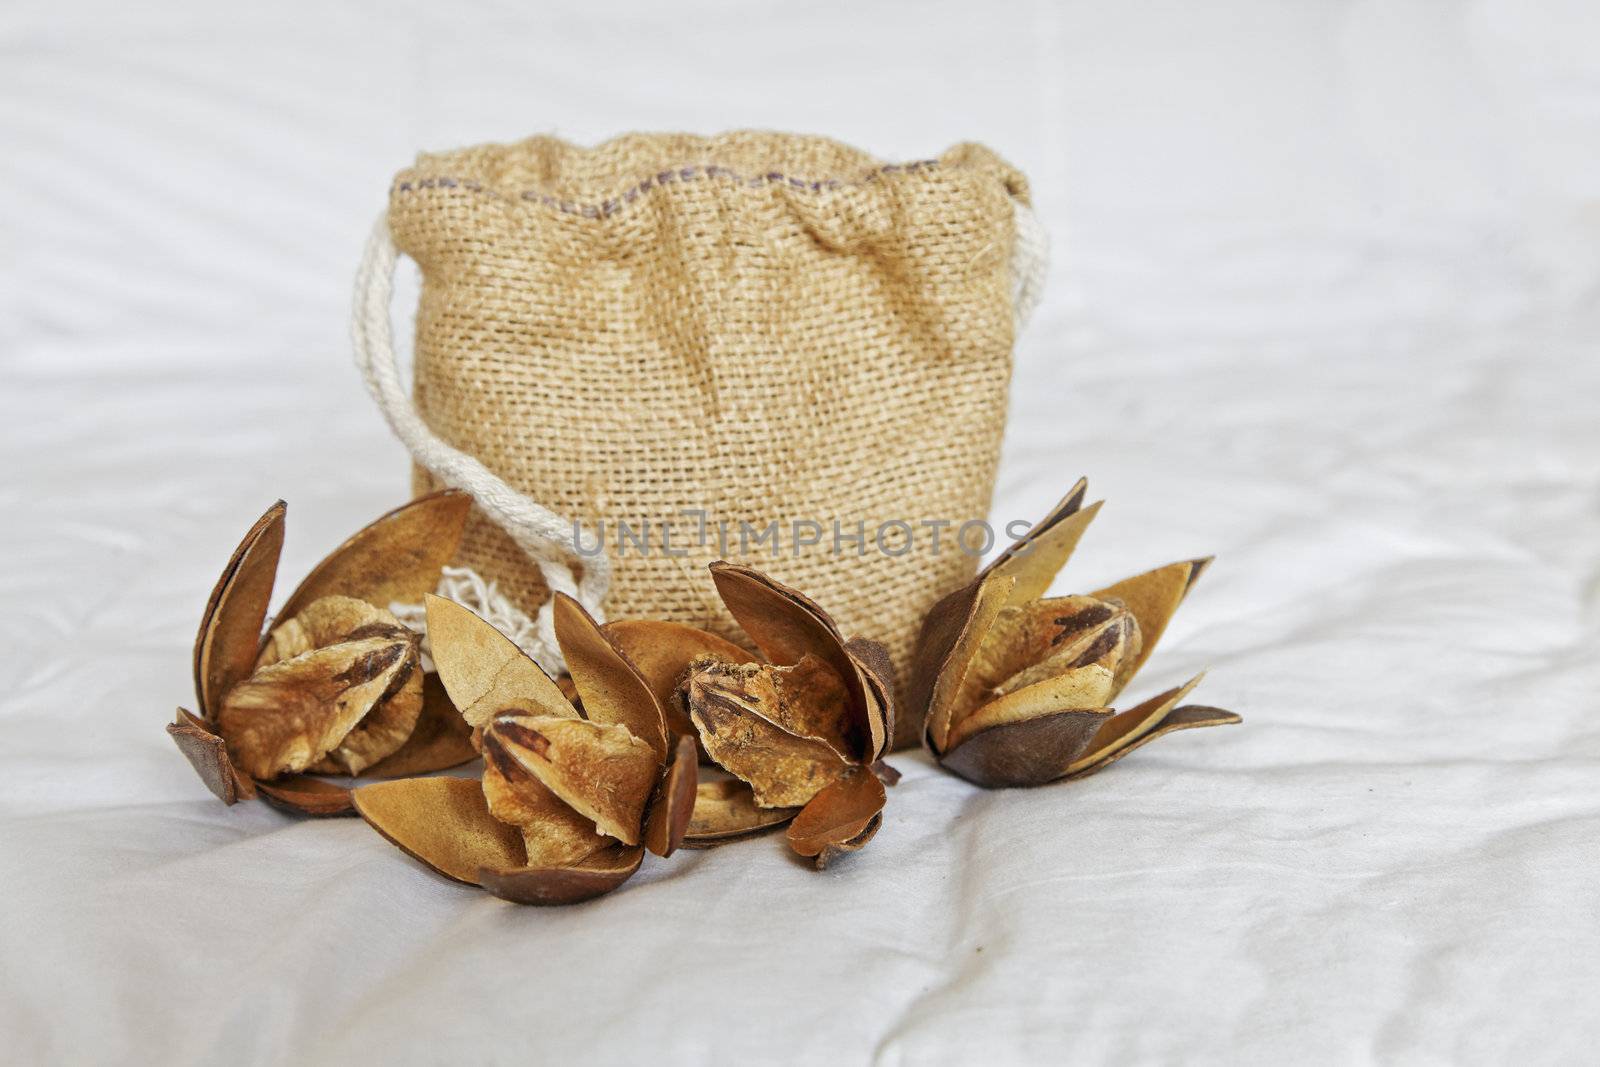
(1075, 496)
(1206, 714)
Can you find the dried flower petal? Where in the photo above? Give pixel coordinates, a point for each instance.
(877, 670)
(1025, 752)
(307, 796)
(383, 730)
(208, 754)
(397, 557)
(288, 715)
(328, 621)
(594, 876)
(1104, 646)
(612, 690)
(230, 630)
(673, 805)
(483, 671)
(553, 834)
(443, 822)
(786, 625)
(662, 653)
(1152, 598)
(951, 638)
(1188, 717)
(1034, 560)
(726, 810)
(840, 818)
(1083, 687)
(1025, 636)
(1125, 728)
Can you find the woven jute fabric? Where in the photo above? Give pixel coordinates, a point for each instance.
(752, 327)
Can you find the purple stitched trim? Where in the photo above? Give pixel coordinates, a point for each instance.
(613, 204)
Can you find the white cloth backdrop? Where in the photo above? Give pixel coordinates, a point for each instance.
(1324, 304)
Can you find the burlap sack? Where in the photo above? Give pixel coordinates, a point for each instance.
(758, 327)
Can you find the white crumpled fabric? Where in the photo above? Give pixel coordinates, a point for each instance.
(1324, 304)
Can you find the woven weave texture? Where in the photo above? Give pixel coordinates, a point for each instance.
(763, 327)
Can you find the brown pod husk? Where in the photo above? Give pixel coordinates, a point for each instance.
(1153, 598)
(673, 806)
(443, 823)
(662, 653)
(787, 626)
(397, 557)
(568, 802)
(600, 770)
(337, 686)
(595, 876)
(726, 811)
(305, 795)
(483, 671)
(588, 793)
(612, 689)
(819, 711)
(841, 818)
(1026, 753)
(208, 754)
(230, 628)
(1188, 717)
(1015, 687)
(288, 715)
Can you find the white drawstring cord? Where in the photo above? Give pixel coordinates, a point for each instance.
(546, 537)
(1030, 263)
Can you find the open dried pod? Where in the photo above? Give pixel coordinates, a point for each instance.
(1017, 688)
(569, 801)
(336, 686)
(798, 728)
(809, 712)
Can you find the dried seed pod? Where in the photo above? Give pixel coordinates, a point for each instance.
(747, 717)
(305, 795)
(811, 711)
(208, 754)
(568, 803)
(611, 687)
(817, 712)
(230, 630)
(787, 626)
(443, 822)
(289, 715)
(336, 687)
(1015, 687)
(338, 622)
